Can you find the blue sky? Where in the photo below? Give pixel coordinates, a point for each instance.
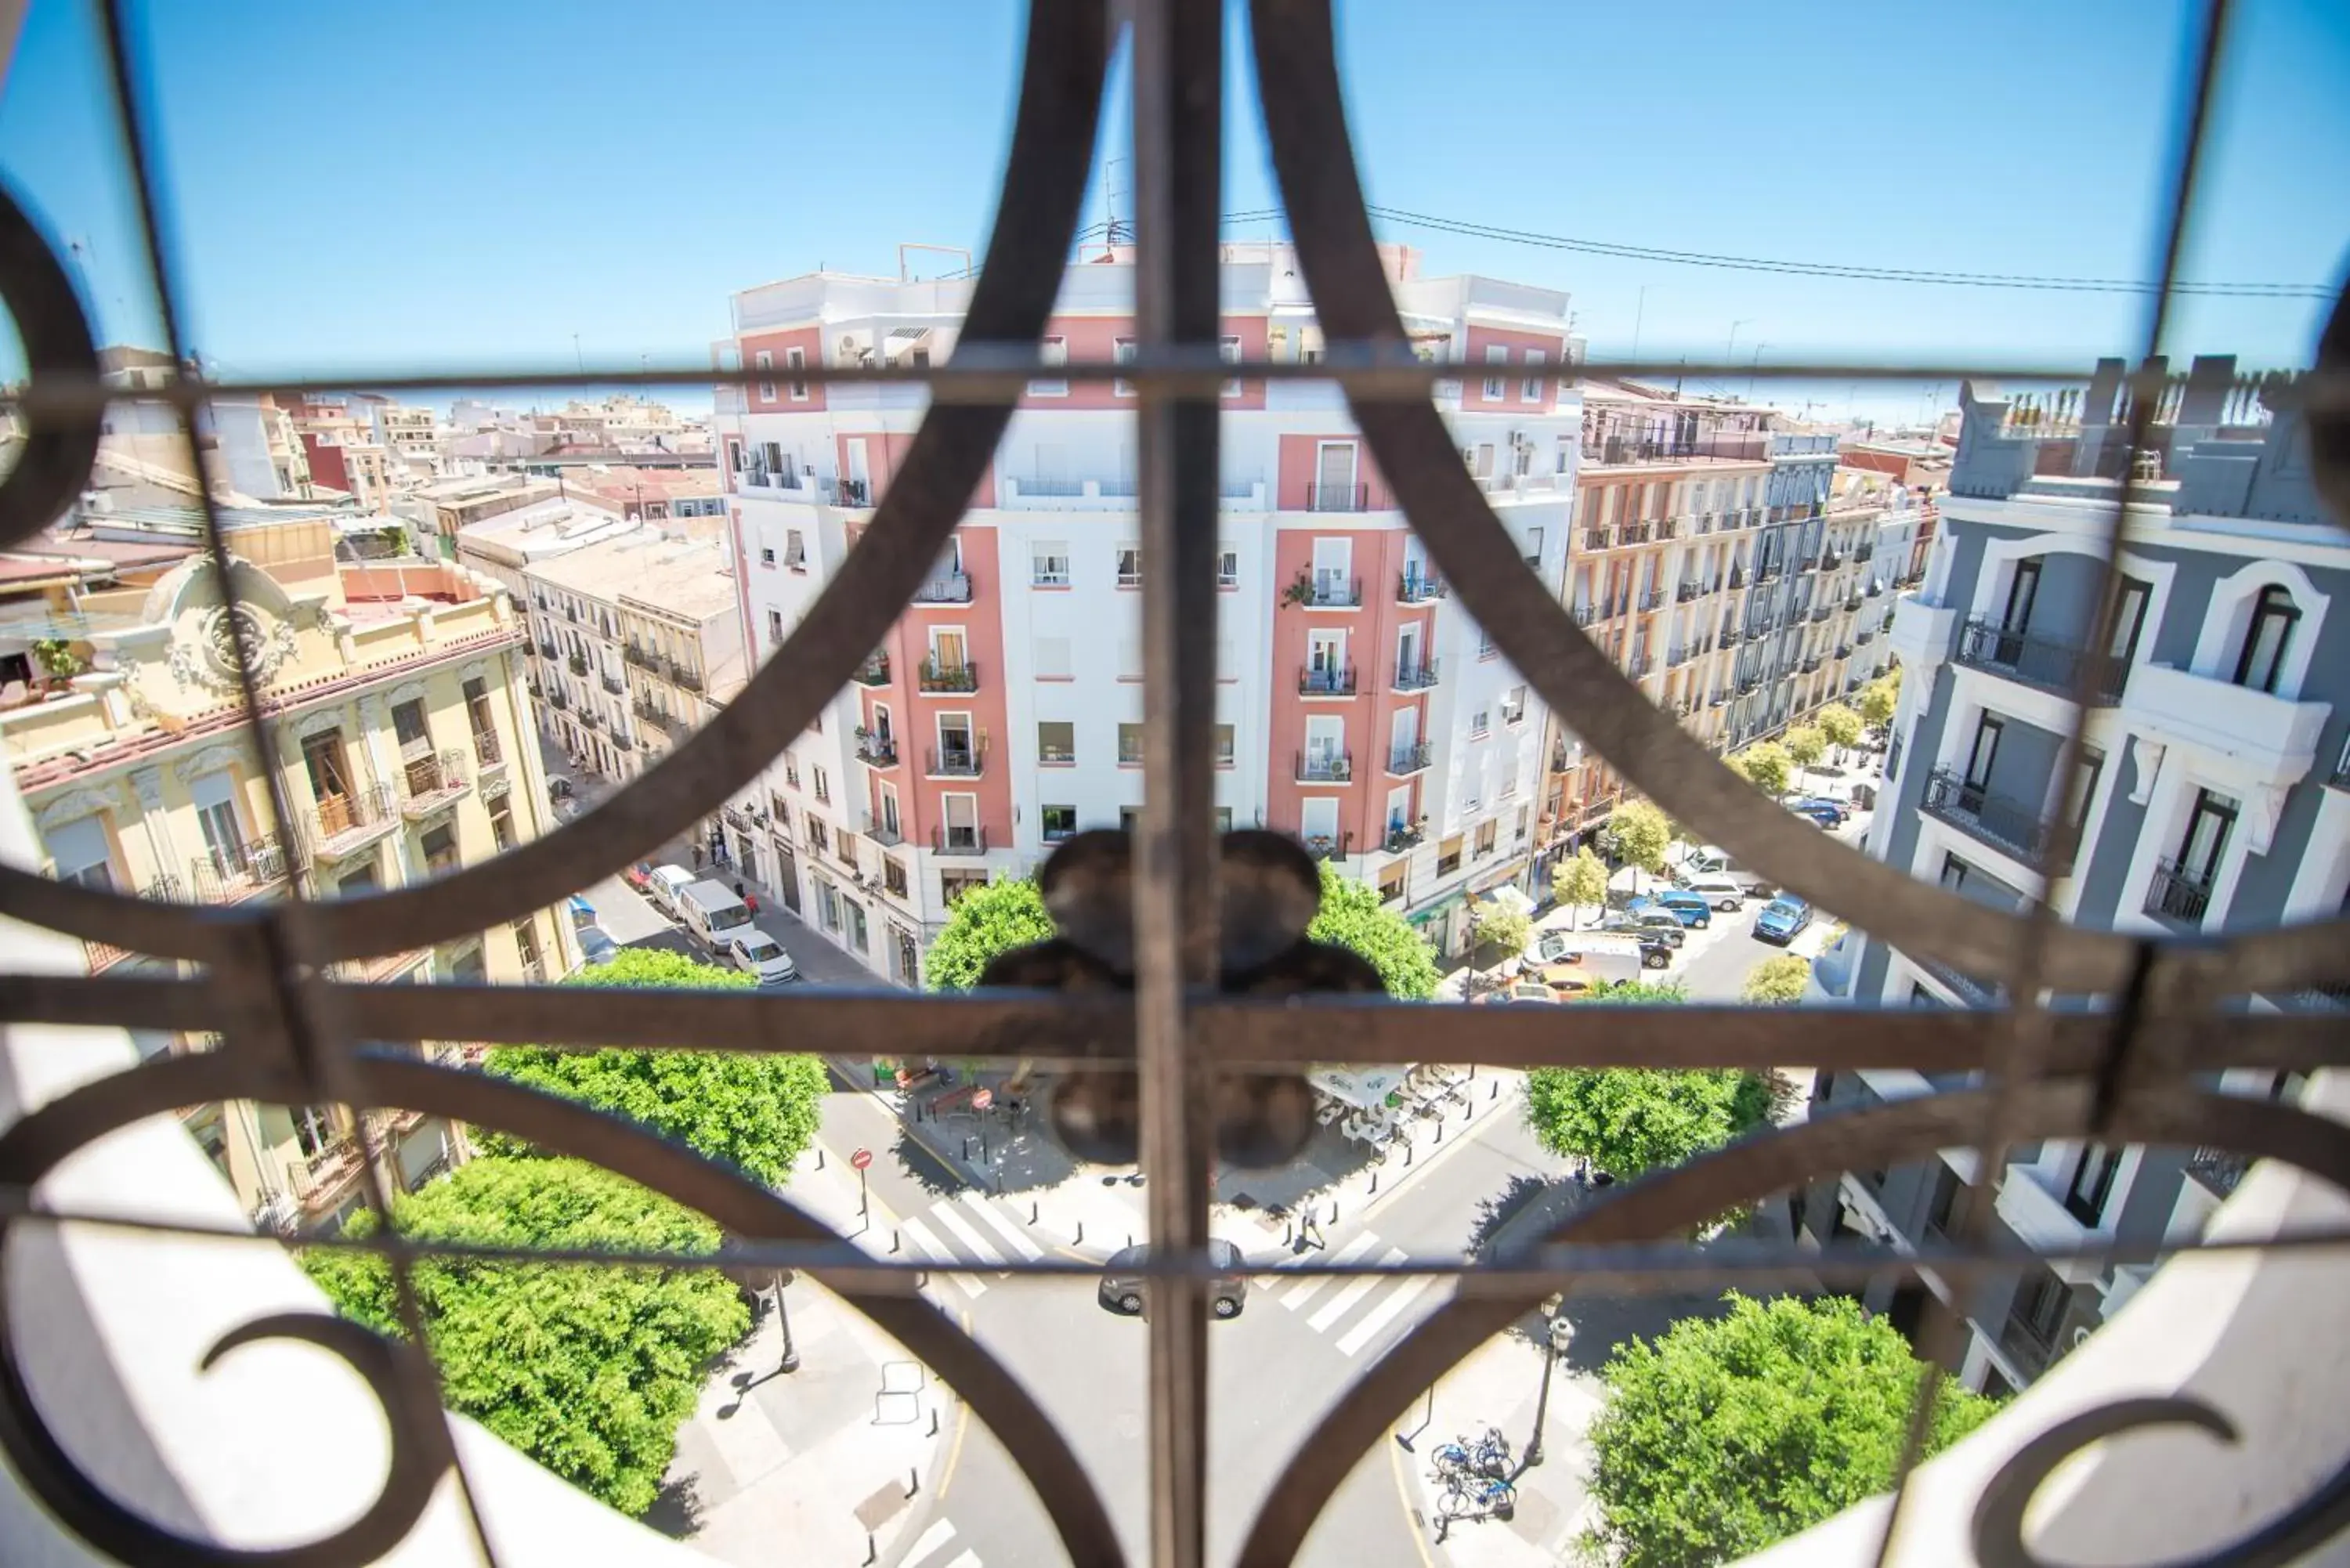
(479, 183)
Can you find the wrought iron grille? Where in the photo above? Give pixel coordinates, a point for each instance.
(1209, 989)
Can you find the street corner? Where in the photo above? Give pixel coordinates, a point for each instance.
(1499, 1393)
(840, 1455)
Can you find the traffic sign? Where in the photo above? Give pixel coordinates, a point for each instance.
(861, 1159)
(982, 1100)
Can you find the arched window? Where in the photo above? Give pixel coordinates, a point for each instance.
(2267, 639)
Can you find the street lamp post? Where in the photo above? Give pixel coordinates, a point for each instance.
(1555, 1333)
(791, 1361)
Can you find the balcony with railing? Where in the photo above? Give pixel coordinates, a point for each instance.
(1326, 590)
(579, 662)
(1689, 592)
(1325, 766)
(874, 672)
(2006, 824)
(1400, 838)
(1810, 665)
(1651, 599)
(229, 874)
(2178, 896)
(1356, 497)
(884, 835)
(1416, 677)
(342, 825)
(669, 724)
(1406, 760)
(945, 588)
(954, 762)
(877, 748)
(933, 676)
(2048, 663)
(614, 685)
(641, 656)
(431, 782)
(949, 838)
(1612, 448)
(685, 676)
(1326, 680)
(1420, 587)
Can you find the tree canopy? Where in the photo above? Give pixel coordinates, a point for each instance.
(1767, 766)
(1579, 881)
(1353, 917)
(1880, 697)
(1840, 724)
(755, 1112)
(1805, 743)
(1642, 835)
(1777, 982)
(588, 1370)
(1009, 913)
(983, 922)
(1628, 1121)
(1504, 925)
(1724, 1435)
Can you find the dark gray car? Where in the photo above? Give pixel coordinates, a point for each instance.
(1122, 1284)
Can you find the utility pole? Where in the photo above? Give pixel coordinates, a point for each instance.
(1555, 1332)
(791, 1361)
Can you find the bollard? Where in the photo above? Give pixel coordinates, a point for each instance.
(999, 1184)
(1288, 1237)
(913, 1479)
(1472, 1072)
(893, 1239)
(819, 1156)
(934, 1420)
(1081, 1235)
(1334, 1211)
(1439, 1131)
(1375, 1181)
(1406, 1151)
(1032, 1211)
(1496, 1093)
(872, 1552)
(966, 1149)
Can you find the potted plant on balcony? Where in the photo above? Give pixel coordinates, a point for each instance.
(58, 659)
(1300, 589)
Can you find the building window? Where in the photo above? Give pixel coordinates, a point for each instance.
(1488, 836)
(2275, 618)
(502, 828)
(819, 837)
(795, 550)
(1122, 350)
(2040, 1304)
(823, 785)
(1391, 882)
(765, 361)
(1228, 567)
(1049, 565)
(1056, 742)
(2091, 1184)
(1513, 706)
(1530, 392)
(827, 905)
(1058, 822)
(1480, 722)
(1129, 566)
(855, 912)
(1223, 745)
(85, 854)
(1054, 659)
(1448, 856)
(1053, 351)
(1230, 349)
(767, 555)
(1496, 386)
(775, 628)
(1129, 745)
(2206, 838)
(893, 879)
(439, 848)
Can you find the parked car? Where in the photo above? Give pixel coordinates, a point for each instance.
(1780, 918)
(1122, 1285)
(1603, 960)
(713, 913)
(1723, 891)
(754, 953)
(663, 884)
(1645, 921)
(595, 944)
(1828, 814)
(1712, 860)
(1694, 911)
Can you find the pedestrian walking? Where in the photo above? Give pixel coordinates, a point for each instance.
(751, 902)
(738, 887)
(697, 857)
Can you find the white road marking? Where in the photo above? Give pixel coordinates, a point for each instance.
(968, 1560)
(1305, 1290)
(1001, 1226)
(931, 1540)
(1356, 1291)
(936, 1251)
(970, 1238)
(1382, 1314)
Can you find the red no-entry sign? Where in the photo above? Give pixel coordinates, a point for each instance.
(860, 1159)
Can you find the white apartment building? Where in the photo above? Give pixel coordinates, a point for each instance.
(1360, 706)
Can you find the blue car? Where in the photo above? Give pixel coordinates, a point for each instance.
(1780, 918)
(1691, 909)
(1826, 813)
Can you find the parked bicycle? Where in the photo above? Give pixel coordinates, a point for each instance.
(1477, 1496)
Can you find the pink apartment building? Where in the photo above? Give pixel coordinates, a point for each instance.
(1360, 707)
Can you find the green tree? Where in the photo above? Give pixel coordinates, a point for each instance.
(983, 922)
(1879, 698)
(1504, 927)
(588, 1370)
(1767, 766)
(755, 1112)
(1724, 1435)
(1579, 882)
(1777, 982)
(1841, 725)
(1642, 835)
(1353, 917)
(1804, 744)
(1630, 1120)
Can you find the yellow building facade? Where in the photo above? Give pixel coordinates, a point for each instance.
(401, 745)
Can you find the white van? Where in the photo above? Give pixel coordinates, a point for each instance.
(1719, 889)
(663, 884)
(1711, 860)
(711, 911)
(1573, 963)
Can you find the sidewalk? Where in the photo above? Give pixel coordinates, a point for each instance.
(819, 1457)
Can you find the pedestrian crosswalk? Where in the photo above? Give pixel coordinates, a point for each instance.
(935, 1548)
(1327, 1300)
(976, 1231)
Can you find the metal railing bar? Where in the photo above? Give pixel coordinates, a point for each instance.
(2020, 1058)
(1567, 1267)
(1010, 1025)
(992, 372)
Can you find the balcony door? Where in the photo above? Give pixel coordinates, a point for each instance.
(1334, 476)
(2275, 616)
(889, 823)
(329, 767)
(859, 471)
(1334, 568)
(214, 795)
(1326, 743)
(1407, 646)
(882, 735)
(2206, 838)
(955, 750)
(2023, 589)
(1980, 758)
(963, 820)
(1326, 659)
(1405, 735)
(948, 649)
(1319, 822)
